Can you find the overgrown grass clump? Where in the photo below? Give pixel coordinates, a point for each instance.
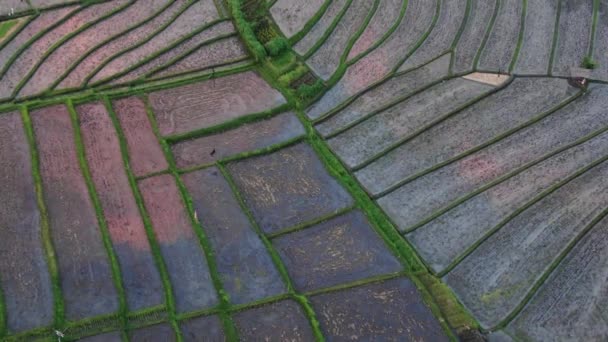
(589, 63)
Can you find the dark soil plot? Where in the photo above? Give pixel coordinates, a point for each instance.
(341, 250)
(216, 54)
(35, 52)
(145, 153)
(539, 28)
(109, 337)
(393, 89)
(61, 59)
(573, 35)
(40, 23)
(502, 42)
(372, 136)
(160, 332)
(179, 245)
(292, 15)
(197, 15)
(379, 62)
(244, 265)
(207, 328)
(572, 301)
(495, 278)
(389, 311)
(384, 18)
(520, 102)
(422, 197)
(600, 47)
(282, 321)
(326, 60)
(209, 103)
(140, 277)
(441, 241)
(24, 276)
(288, 187)
(439, 41)
(77, 77)
(257, 135)
(473, 34)
(84, 267)
(186, 46)
(321, 26)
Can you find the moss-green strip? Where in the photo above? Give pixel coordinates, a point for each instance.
(47, 240)
(293, 40)
(593, 33)
(103, 226)
(555, 38)
(463, 25)
(329, 30)
(310, 223)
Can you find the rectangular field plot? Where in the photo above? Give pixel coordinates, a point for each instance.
(179, 245)
(472, 127)
(392, 310)
(444, 239)
(145, 154)
(207, 328)
(388, 127)
(209, 103)
(24, 276)
(282, 321)
(245, 267)
(161, 332)
(391, 90)
(423, 196)
(248, 137)
(287, 188)
(140, 277)
(573, 299)
(493, 280)
(84, 267)
(338, 251)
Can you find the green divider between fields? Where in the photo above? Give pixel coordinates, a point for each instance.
(555, 38)
(486, 37)
(520, 37)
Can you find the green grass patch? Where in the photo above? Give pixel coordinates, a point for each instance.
(6, 26)
(589, 63)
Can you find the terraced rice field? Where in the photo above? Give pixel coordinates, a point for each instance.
(282, 170)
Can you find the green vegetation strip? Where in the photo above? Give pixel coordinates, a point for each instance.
(555, 38)
(107, 241)
(328, 31)
(463, 25)
(6, 26)
(59, 314)
(310, 23)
